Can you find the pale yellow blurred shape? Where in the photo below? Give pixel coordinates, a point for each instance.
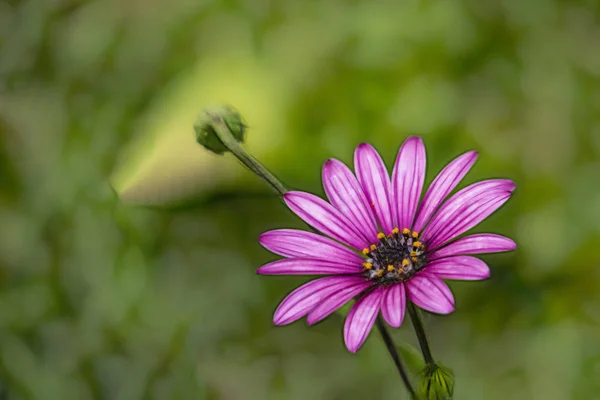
(165, 165)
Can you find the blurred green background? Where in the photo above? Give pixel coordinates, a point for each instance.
(128, 253)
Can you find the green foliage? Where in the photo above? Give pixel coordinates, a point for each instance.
(101, 298)
(411, 356)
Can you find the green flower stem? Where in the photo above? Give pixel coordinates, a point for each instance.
(389, 343)
(420, 332)
(226, 136)
(228, 139)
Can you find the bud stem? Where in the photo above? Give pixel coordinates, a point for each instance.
(389, 343)
(420, 332)
(226, 136)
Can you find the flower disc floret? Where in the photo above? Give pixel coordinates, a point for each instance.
(396, 257)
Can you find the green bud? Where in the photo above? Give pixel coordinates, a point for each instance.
(205, 130)
(436, 383)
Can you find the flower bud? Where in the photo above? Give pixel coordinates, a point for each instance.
(205, 131)
(436, 383)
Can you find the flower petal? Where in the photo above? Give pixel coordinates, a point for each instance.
(475, 244)
(470, 215)
(407, 180)
(463, 198)
(375, 182)
(442, 185)
(334, 302)
(297, 243)
(324, 217)
(361, 318)
(393, 305)
(430, 293)
(306, 266)
(464, 268)
(298, 303)
(345, 193)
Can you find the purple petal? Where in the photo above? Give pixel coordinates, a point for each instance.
(430, 293)
(469, 216)
(296, 243)
(464, 268)
(361, 318)
(475, 244)
(345, 193)
(298, 303)
(324, 217)
(375, 182)
(393, 304)
(334, 302)
(407, 180)
(442, 185)
(463, 198)
(306, 266)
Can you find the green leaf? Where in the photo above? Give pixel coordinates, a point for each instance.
(411, 356)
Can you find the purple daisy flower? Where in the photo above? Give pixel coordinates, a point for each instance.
(385, 245)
